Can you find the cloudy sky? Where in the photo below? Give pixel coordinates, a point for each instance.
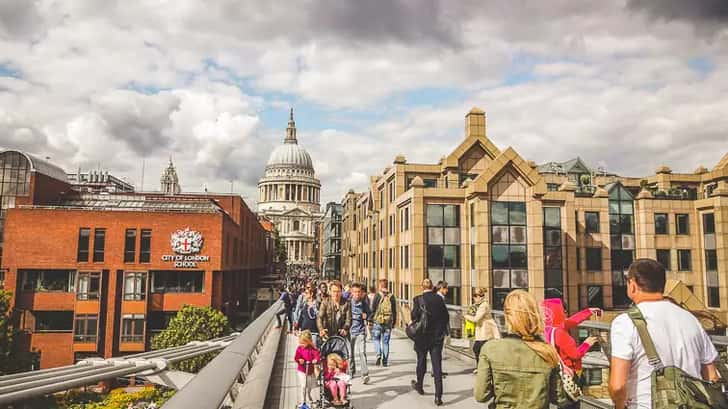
(627, 84)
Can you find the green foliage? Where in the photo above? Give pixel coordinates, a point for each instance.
(117, 399)
(12, 356)
(281, 254)
(192, 324)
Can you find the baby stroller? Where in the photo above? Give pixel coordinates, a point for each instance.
(340, 346)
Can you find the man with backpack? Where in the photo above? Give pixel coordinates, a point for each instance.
(659, 346)
(384, 318)
(429, 309)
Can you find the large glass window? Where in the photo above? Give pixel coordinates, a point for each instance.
(509, 257)
(443, 247)
(682, 224)
(663, 257)
(84, 236)
(591, 220)
(135, 286)
(553, 279)
(622, 242)
(53, 321)
(99, 244)
(132, 328)
(594, 259)
(86, 328)
(130, 245)
(145, 246)
(48, 280)
(661, 224)
(594, 296)
(89, 285)
(711, 260)
(177, 281)
(683, 260)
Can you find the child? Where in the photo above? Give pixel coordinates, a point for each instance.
(336, 378)
(307, 356)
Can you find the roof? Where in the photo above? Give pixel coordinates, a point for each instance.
(142, 203)
(43, 166)
(267, 225)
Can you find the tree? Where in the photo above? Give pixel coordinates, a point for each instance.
(193, 324)
(12, 356)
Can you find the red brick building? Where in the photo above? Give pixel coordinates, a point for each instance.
(99, 275)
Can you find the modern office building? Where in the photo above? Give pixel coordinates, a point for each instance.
(100, 274)
(289, 196)
(331, 242)
(488, 217)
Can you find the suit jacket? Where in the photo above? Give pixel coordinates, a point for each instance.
(438, 319)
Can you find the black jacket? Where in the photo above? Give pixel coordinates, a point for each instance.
(375, 304)
(438, 319)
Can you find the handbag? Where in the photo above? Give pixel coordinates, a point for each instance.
(416, 329)
(573, 391)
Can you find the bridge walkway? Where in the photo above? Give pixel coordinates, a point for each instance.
(388, 388)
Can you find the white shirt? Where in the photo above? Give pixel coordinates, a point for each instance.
(679, 340)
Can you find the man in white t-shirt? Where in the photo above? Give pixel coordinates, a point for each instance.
(678, 337)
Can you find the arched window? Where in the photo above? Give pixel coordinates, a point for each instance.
(296, 225)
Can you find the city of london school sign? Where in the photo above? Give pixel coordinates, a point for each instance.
(186, 244)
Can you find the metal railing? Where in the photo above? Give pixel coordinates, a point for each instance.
(213, 387)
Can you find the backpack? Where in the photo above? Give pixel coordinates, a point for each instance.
(383, 316)
(673, 388)
(417, 329)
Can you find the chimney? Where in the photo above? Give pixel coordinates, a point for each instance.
(475, 123)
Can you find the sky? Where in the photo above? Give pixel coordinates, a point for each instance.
(124, 84)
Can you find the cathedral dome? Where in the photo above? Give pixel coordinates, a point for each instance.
(290, 155)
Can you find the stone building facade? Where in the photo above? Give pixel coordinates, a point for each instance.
(331, 241)
(289, 196)
(488, 217)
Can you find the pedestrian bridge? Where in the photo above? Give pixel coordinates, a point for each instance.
(255, 370)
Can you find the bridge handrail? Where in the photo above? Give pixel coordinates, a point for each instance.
(211, 386)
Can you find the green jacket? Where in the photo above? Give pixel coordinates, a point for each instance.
(514, 376)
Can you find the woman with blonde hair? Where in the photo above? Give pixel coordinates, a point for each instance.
(520, 369)
(485, 326)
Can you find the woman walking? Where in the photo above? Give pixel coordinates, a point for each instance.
(520, 370)
(485, 326)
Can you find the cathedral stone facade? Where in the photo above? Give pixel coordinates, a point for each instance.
(289, 196)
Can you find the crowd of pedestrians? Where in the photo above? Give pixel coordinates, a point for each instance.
(661, 357)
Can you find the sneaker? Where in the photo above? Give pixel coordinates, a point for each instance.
(417, 387)
(475, 371)
(379, 361)
(365, 379)
(385, 364)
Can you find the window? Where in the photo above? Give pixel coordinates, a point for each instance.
(99, 243)
(509, 256)
(591, 220)
(135, 285)
(381, 198)
(661, 224)
(296, 225)
(709, 223)
(159, 320)
(682, 224)
(594, 259)
(594, 296)
(711, 260)
(145, 246)
(48, 280)
(130, 246)
(86, 328)
(84, 236)
(552, 187)
(381, 229)
(430, 182)
(89, 285)
(663, 257)
(391, 192)
(593, 376)
(53, 321)
(406, 256)
(132, 328)
(553, 269)
(621, 236)
(177, 281)
(443, 245)
(391, 258)
(683, 260)
(391, 224)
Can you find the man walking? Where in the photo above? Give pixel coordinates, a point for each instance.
(384, 317)
(360, 312)
(433, 338)
(679, 339)
(334, 314)
(286, 310)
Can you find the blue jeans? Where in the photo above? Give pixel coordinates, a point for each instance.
(381, 335)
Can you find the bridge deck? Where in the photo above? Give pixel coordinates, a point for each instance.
(388, 387)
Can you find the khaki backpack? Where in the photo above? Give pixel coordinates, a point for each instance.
(383, 315)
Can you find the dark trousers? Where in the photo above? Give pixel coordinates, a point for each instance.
(289, 316)
(435, 350)
(477, 346)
